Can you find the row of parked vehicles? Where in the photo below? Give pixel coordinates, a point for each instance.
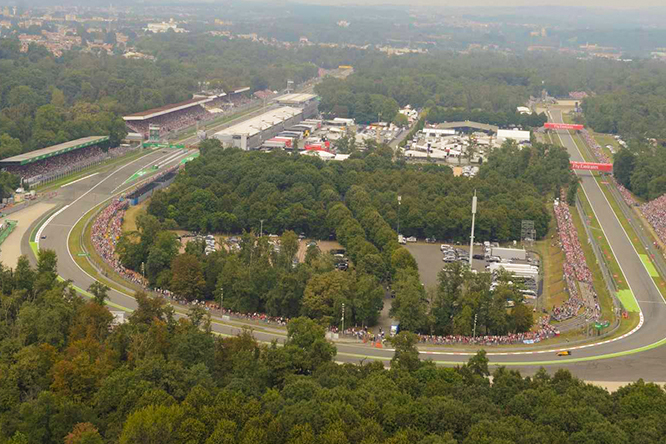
(402, 240)
(452, 254)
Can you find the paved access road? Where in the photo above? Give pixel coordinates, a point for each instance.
(84, 195)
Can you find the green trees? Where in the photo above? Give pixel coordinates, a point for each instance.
(187, 278)
(254, 187)
(156, 379)
(464, 301)
(624, 163)
(99, 292)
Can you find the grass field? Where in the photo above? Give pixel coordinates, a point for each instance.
(129, 221)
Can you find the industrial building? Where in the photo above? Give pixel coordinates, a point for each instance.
(309, 103)
(251, 133)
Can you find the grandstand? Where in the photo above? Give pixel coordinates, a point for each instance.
(37, 166)
(158, 122)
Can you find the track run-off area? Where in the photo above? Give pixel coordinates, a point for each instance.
(636, 354)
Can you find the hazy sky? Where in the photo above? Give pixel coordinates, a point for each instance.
(624, 4)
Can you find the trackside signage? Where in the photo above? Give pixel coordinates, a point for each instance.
(563, 126)
(589, 166)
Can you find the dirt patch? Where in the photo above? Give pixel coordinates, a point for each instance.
(457, 171)
(129, 221)
(10, 250)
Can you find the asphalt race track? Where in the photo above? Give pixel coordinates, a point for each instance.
(590, 363)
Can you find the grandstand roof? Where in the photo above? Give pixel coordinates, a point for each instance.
(149, 114)
(296, 99)
(468, 124)
(260, 123)
(52, 151)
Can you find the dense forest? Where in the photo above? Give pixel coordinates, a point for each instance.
(355, 202)
(231, 191)
(633, 108)
(488, 86)
(68, 375)
(46, 100)
(642, 169)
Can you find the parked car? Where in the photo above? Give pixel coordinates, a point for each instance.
(444, 247)
(430, 240)
(478, 257)
(411, 239)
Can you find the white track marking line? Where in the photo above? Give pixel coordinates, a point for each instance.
(79, 180)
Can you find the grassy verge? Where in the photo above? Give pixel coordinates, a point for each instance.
(552, 258)
(76, 244)
(605, 298)
(590, 219)
(603, 140)
(81, 239)
(129, 221)
(101, 167)
(628, 228)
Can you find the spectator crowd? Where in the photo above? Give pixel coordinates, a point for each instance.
(107, 229)
(545, 331)
(178, 120)
(171, 122)
(52, 167)
(575, 267)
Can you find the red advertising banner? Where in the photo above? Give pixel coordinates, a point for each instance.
(563, 126)
(589, 166)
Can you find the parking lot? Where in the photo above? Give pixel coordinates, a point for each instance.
(429, 259)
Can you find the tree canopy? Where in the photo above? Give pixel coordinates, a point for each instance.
(68, 375)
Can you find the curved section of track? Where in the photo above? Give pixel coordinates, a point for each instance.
(626, 358)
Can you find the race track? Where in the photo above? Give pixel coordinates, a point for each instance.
(614, 361)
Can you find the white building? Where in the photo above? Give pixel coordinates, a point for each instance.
(253, 132)
(164, 27)
(517, 135)
(523, 110)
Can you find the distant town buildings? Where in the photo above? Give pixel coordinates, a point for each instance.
(164, 27)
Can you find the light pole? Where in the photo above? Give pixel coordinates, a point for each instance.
(474, 333)
(343, 318)
(261, 230)
(471, 238)
(399, 202)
